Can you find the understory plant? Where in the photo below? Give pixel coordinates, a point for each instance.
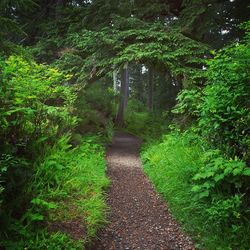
(203, 171)
(205, 190)
(48, 183)
(221, 108)
(143, 123)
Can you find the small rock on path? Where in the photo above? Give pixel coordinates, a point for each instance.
(139, 217)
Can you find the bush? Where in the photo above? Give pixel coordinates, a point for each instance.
(145, 124)
(35, 109)
(218, 175)
(44, 181)
(35, 106)
(222, 106)
(224, 112)
(67, 185)
(95, 108)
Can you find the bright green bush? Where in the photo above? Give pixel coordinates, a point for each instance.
(35, 109)
(205, 191)
(43, 179)
(220, 181)
(35, 103)
(222, 106)
(67, 184)
(188, 102)
(219, 175)
(224, 112)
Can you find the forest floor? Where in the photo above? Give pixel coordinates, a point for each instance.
(139, 218)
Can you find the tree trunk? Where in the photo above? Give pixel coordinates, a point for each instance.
(115, 80)
(140, 85)
(150, 89)
(124, 92)
(59, 6)
(126, 85)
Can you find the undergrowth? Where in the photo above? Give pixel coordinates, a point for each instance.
(67, 186)
(204, 189)
(147, 125)
(52, 176)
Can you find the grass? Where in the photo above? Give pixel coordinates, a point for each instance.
(171, 164)
(69, 184)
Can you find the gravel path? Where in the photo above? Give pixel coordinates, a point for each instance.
(139, 217)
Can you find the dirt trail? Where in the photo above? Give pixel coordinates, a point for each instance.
(139, 218)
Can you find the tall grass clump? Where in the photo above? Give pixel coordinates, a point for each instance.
(205, 190)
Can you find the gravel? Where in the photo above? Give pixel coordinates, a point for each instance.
(139, 218)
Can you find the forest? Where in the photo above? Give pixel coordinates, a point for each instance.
(173, 73)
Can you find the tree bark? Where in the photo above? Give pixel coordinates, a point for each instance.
(124, 93)
(115, 80)
(150, 89)
(140, 85)
(58, 10)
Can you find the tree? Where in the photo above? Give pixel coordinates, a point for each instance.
(124, 93)
(150, 88)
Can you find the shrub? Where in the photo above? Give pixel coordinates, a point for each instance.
(145, 124)
(218, 175)
(224, 112)
(95, 108)
(43, 179)
(67, 185)
(222, 106)
(34, 103)
(35, 110)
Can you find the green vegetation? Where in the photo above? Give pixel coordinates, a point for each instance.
(175, 73)
(139, 121)
(202, 172)
(67, 187)
(203, 189)
(44, 180)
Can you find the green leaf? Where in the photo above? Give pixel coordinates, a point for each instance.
(196, 188)
(36, 217)
(203, 194)
(246, 172)
(219, 177)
